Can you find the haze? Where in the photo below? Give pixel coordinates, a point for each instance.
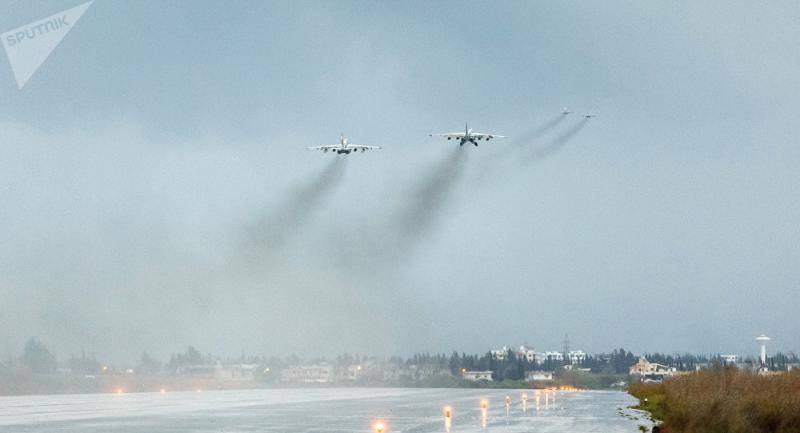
(156, 190)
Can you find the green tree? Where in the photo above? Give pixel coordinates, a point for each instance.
(36, 357)
(148, 364)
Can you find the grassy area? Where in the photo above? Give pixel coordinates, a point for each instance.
(724, 401)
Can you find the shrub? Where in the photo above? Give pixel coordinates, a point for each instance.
(724, 400)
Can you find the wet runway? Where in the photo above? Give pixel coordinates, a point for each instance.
(318, 410)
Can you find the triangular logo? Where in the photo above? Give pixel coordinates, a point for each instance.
(27, 47)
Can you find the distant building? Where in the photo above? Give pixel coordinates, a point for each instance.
(203, 371)
(356, 371)
(396, 372)
(527, 354)
(369, 370)
(538, 376)
(236, 372)
(574, 367)
(577, 357)
(220, 372)
(651, 371)
(317, 373)
(552, 355)
(729, 359)
(500, 354)
(475, 376)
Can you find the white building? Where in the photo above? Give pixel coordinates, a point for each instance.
(527, 354)
(552, 355)
(651, 371)
(475, 376)
(538, 376)
(236, 372)
(577, 356)
(500, 354)
(221, 372)
(318, 373)
(729, 359)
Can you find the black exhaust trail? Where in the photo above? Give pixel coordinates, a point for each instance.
(276, 229)
(541, 129)
(431, 195)
(556, 144)
(519, 144)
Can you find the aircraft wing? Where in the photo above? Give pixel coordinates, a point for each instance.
(326, 147)
(362, 147)
(449, 135)
(482, 135)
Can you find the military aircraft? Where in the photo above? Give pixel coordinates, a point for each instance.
(344, 147)
(468, 136)
(589, 116)
(566, 111)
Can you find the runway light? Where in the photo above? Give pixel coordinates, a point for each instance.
(163, 391)
(199, 390)
(379, 426)
(484, 404)
(119, 390)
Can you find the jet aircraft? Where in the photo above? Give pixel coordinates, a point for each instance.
(344, 147)
(468, 136)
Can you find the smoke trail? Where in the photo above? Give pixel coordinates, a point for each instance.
(557, 143)
(540, 130)
(428, 199)
(275, 229)
(490, 161)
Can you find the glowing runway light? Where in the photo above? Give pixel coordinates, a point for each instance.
(448, 418)
(484, 412)
(163, 391)
(508, 404)
(379, 426)
(524, 402)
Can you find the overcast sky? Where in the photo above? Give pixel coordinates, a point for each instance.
(156, 191)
